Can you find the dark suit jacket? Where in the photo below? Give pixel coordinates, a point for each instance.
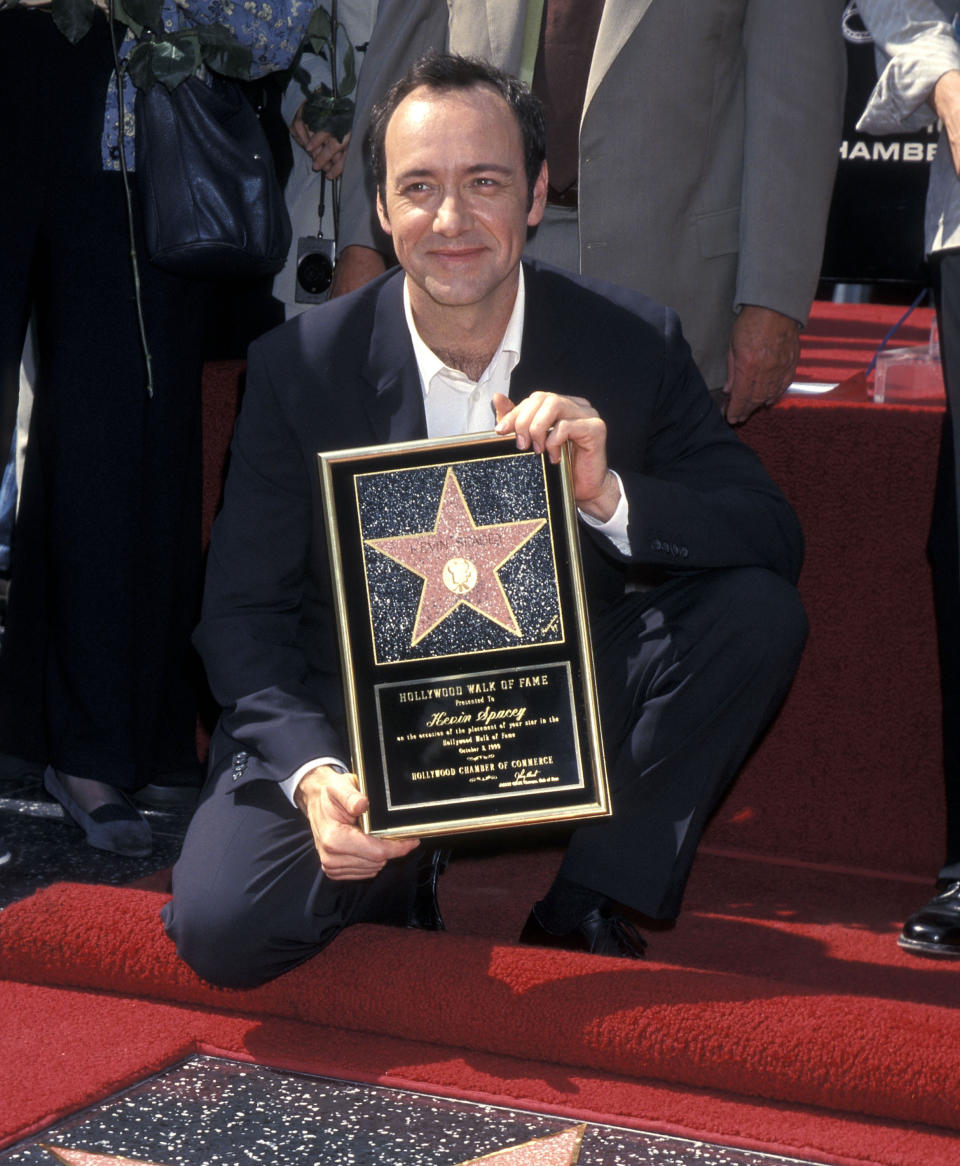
(344, 375)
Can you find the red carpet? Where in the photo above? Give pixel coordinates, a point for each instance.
(779, 1013)
(760, 1022)
(841, 340)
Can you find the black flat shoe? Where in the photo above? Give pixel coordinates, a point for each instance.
(934, 930)
(115, 825)
(600, 932)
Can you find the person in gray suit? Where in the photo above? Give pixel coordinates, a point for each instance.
(703, 138)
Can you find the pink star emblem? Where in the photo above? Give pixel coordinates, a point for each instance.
(458, 562)
(561, 1149)
(88, 1158)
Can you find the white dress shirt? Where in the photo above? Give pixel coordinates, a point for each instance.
(452, 402)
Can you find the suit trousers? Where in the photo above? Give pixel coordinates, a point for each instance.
(944, 551)
(689, 674)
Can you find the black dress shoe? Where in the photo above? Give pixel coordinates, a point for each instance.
(600, 932)
(935, 928)
(404, 893)
(425, 912)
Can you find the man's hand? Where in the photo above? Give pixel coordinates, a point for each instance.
(946, 101)
(355, 266)
(763, 356)
(327, 152)
(544, 422)
(333, 803)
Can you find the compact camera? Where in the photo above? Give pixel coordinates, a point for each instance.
(315, 260)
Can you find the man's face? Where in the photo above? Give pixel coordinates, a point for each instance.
(456, 196)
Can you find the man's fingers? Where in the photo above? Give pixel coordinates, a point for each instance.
(583, 433)
(748, 390)
(351, 854)
(763, 355)
(347, 804)
(333, 802)
(340, 799)
(502, 406)
(298, 131)
(347, 853)
(324, 147)
(534, 417)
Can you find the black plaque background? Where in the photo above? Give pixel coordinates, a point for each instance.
(508, 759)
(581, 796)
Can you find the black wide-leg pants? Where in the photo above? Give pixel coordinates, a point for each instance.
(689, 674)
(944, 551)
(94, 671)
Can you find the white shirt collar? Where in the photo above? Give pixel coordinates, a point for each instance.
(504, 360)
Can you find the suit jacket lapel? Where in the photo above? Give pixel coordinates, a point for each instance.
(545, 340)
(620, 18)
(395, 406)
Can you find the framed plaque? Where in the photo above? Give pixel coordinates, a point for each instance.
(469, 686)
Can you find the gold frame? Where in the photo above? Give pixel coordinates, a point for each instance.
(367, 676)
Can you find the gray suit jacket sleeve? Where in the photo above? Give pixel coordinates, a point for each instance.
(404, 30)
(795, 80)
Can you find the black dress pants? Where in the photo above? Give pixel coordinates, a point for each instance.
(944, 551)
(94, 672)
(689, 674)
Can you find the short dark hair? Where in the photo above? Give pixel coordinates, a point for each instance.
(443, 72)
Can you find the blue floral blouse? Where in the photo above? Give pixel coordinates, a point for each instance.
(271, 29)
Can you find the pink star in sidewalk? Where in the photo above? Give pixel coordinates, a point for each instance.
(561, 1149)
(458, 562)
(87, 1158)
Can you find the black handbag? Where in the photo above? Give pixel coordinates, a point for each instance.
(212, 205)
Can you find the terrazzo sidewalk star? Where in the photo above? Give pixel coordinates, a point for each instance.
(561, 1149)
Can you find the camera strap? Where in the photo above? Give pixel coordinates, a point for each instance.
(334, 89)
(322, 206)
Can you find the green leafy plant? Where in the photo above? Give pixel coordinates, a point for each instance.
(171, 57)
(167, 57)
(326, 108)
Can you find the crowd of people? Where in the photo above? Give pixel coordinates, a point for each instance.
(535, 195)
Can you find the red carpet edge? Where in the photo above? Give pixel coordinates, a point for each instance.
(717, 1031)
(73, 1048)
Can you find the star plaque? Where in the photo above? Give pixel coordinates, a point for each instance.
(459, 562)
(459, 604)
